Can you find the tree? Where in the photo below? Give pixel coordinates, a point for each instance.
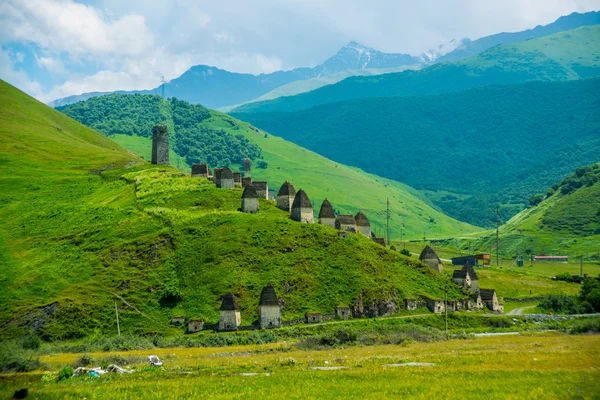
(536, 199)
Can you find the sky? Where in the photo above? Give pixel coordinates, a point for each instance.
(56, 48)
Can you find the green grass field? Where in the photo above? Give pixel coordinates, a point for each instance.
(539, 366)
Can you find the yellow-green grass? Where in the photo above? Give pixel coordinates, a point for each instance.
(548, 366)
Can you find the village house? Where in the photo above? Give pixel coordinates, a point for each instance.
(302, 210)
(262, 189)
(225, 179)
(269, 313)
(345, 222)
(285, 196)
(343, 312)
(229, 314)
(428, 257)
(435, 306)
(490, 300)
(362, 224)
(201, 171)
(249, 200)
(326, 214)
(195, 325)
(314, 317)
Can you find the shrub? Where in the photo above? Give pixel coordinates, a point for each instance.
(405, 252)
(560, 303)
(65, 372)
(83, 361)
(31, 342)
(586, 326)
(14, 359)
(536, 199)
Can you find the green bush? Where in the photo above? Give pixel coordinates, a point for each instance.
(586, 326)
(561, 304)
(31, 342)
(14, 359)
(83, 361)
(405, 252)
(65, 372)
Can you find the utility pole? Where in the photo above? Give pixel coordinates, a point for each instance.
(117, 313)
(446, 308)
(388, 221)
(581, 265)
(497, 235)
(162, 86)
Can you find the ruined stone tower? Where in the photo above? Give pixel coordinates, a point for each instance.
(326, 214)
(302, 210)
(362, 224)
(247, 167)
(229, 314)
(285, 197)
(160, 145)
(269, 313)
(225, 179)
(262, 189)
(249, 200)
(201, 171)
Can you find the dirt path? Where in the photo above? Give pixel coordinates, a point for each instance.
(519, 311)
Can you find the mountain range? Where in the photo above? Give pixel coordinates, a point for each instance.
(216, 88)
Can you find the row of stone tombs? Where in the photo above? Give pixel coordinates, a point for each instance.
(269, 310)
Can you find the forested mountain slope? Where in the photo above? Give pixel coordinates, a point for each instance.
(82, 226)
(563, 56)
(488, 145)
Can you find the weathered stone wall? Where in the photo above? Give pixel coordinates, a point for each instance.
(195, 325)
(229, 320)
(160, 145)
(343, 312)
(327, 222)
(365, 230)
(269, 316)
(225, 183)
(250, 206)
(284, 202)
(313, 318)
(303, 215)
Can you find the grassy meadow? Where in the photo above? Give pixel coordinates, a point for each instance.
(528, 366)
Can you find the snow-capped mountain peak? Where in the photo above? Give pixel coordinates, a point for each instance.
(443, 49)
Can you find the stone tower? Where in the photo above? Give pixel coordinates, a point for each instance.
(249, 200)
(262, 189)
(302, 210)
(326, 214)
(285, 197)
(225, 179)
(269, 313)
(160, 145)
(201, 170)
(247, 167)
(429, 257)
(362, 224)
(229, 314)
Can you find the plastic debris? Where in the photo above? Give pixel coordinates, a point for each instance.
(112, 368)
(155, 361)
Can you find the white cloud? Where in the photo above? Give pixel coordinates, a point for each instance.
(16, 77)
(53, 65)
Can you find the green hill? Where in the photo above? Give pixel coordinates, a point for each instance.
(564, 220)
(469, 150)
(349, 189)
(563, 56)
(84, 222)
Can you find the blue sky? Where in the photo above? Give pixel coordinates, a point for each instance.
(56, 48)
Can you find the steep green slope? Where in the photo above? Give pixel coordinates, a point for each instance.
(563, 56)
(82, 226)
(566, 220)
(495, 144)
(349, 189)
(302, 86)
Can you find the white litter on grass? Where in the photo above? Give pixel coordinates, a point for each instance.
(111, 368)
(254, 374)
(411, 364)
(155, 361)
(496, 334)
(327, 368)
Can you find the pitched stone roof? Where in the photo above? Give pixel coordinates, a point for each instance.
(361, 219)
(345, 219)
(326, 210)
(200, 169)
(487, 294)
(229, 303)
(226, 173)
(260, 185)
(249, 193)
(287, 189)
(268, 297)
(428, 254)
(301, 200)
(459, 274)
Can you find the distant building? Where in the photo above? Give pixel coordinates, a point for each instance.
(362, 224)
(379, 241)
(195, 325)
(326, 214)
(229, 314)
(435, 306)
(217, 175)
(225, 179)
(343, 312)
(473, 260)
(177, 320)
(201, 171)
(160, 145)
(302, 210)
(262, 189)
(430, 258)
(285, 196)
(246, 181)
(237, 179)
(467, 278)
(410, 304)
(269, 313)
(247, 167)
(543, 257)
(249, 200)
(314, 317)
(490, 300)
(345, 222)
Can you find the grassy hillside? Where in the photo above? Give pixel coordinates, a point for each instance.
(563, 56)
(470, 150)
(82, 226)
(302, 86)
(349, 189)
